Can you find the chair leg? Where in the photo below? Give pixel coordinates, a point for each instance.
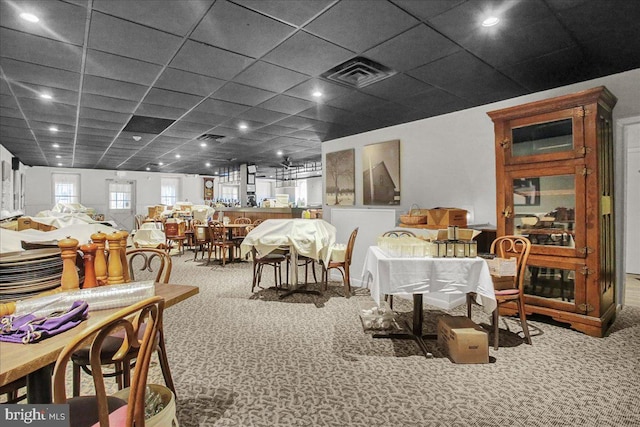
(347, 283)
(76, 380)
(164, 364)
(469, 302)
(496, 328)
(313, 270)
(523, 320)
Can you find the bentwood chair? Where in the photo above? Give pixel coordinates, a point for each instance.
(201, 239)
(218, 241)
(509, 247)
(143, 264)
(273, 259)
(139, 334)
(341, 266)
(396, 233)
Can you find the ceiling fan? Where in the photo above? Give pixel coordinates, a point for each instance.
(287, 163)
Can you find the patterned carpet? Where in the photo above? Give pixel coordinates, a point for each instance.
(242, 359)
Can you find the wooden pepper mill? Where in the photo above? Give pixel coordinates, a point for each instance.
(123, 256)
(114, 268)
(70, 279)
(89, 255)
(100, 262)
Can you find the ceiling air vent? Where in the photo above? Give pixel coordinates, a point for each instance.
(358, 72)
(209, 137)
(151, 125)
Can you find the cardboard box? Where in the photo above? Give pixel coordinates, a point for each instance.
(503, 266)
(25, 223)
(447, 216)
(46, 227)
(463, 340)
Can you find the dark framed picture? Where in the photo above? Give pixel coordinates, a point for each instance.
(251, 179)
(381, 173)
(340, 178)
(526, 192)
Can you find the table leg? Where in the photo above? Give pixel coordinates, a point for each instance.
(295, 287)
(416, 328)
(39, 385)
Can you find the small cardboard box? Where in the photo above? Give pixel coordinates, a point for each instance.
(503, 266)
(46, 227)
(25, 223)
(463, 340)
(447, 216)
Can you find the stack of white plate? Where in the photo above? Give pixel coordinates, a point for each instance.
(26, 273)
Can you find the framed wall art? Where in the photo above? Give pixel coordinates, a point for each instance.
(340, 178)
(381, 173)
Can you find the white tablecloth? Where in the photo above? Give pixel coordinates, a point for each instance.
(312, 238)
(444, 281)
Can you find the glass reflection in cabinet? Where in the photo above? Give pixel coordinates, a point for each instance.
(547, 282)
(543, 138)
(544, 209)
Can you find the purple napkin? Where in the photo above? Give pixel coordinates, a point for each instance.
(29, 328)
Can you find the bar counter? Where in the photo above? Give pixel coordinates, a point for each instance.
(267, 213)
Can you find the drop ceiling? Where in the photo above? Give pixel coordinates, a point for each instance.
(169, 72)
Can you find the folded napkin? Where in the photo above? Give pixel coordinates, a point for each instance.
(31, 328)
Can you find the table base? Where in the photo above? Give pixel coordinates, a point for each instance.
(299, 290)
(36, 393)
(416, 329)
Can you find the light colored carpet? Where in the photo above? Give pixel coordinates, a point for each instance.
(242, 359)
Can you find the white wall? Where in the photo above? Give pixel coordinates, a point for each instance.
(93, 188)
(449, 160)
(632, 141)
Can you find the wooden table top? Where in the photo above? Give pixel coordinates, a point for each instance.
(18, 360)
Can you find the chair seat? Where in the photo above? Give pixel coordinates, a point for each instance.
(83, 410)
(506, 292)
(111, 345)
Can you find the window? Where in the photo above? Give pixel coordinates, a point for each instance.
(230, 192)
(169, 191)
(120, 195)
(66, 187)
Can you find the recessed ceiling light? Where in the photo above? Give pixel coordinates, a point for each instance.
(243, 126)
(317, 94)
(29, 17)
(490, 21)
(203, 144)
(177, 156)
(58, 156)
(270, 176)
(136, 138)
(59, 164)
(53, 129)
(45, 96)
(207, 164)
(148, 168)
(215, 173)
(279, 153)
(160, 163)
(55, 145)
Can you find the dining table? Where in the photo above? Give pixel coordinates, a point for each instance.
(442, 282)
(36, 360)
(312, 238)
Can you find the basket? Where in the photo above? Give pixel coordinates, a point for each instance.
(413, 218)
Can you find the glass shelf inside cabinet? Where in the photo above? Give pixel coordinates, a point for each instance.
(545, 209)
(543, 138)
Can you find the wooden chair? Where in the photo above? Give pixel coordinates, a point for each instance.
(342, 266)
(218, 240)
(273, 259)
(509, 247)
(201, 240)
(396, 233)
(13, 390)
(140, 332)
(257, 222)
(174, 232)
(143, 264)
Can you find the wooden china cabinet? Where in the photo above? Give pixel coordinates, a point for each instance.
(554, 174)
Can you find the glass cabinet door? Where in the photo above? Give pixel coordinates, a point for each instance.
(548, 208)
(553, 136)
(555, 285)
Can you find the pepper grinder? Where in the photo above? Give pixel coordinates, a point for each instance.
(100, 262)
(89, 256)
(123, 256)
(114, 269)
(70, 279)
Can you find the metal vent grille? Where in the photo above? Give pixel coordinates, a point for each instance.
(209, 137)
(358, 72)
(151, 125)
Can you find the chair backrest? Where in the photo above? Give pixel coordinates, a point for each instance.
(149, 263)
(514, 247)
(242, 220)
(145, 314)
(216, 232)
(350, 244)
(398, 233)
(139, 219)
(257, 222)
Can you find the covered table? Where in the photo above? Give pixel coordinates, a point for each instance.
(312, 238)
